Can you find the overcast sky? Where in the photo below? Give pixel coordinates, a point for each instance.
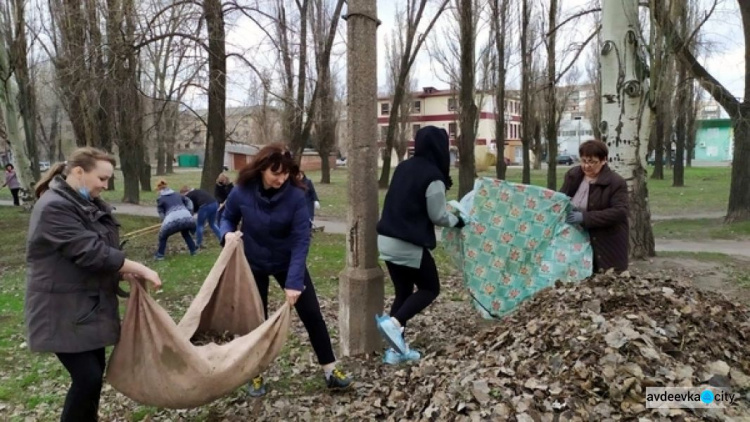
(721, 36)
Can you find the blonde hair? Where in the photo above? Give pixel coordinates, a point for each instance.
(86, 158)
(161, 184)
(222, 178)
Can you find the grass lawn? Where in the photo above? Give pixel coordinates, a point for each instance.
(33, 385)
(706, 190)
(701, 229)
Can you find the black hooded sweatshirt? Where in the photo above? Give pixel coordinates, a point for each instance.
(405, 214)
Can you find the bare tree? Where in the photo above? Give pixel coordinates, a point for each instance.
(11, 117)
(326, 118)
(468, 110)
(26, 95)
(739, 196)
(552, 116)
(526, 89)
(498, 28)
(410, 43)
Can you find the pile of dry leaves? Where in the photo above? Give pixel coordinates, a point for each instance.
(575, 352)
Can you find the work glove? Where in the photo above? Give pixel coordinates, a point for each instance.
(574, 217)
(317, 205)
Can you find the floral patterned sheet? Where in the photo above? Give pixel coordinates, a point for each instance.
(516, 244)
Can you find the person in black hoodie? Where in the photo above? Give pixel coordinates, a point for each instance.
(221, 192)
(414, 205)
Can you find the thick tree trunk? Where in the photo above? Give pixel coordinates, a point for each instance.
(467, 106)
(625, 115)
(739, 194)
(217, 63)
(678, 175)
(26, 93)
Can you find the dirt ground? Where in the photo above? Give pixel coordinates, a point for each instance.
(729, 276)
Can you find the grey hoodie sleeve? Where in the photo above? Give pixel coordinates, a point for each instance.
(437, 205)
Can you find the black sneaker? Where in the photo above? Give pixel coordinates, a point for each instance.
(256, 387)
(338, 381)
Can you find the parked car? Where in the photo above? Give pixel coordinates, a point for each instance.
(651, 160)
(43, 165)
(567, 160)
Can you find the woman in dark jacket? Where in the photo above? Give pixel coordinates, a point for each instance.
(221, 192)
(176, 213)
(414, 205)
(313, 203)
(269, 199)
(600, 201)
(74, 265)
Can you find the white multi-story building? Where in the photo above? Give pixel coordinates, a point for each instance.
(439, 108)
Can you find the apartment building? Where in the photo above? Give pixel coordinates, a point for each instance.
(436, 107)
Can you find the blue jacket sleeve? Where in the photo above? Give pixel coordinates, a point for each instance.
(160, 208)
(311, 187)
(231, 215)
(300, 238)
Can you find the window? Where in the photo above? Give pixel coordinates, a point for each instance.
(414, 130)
(383, 132)
(452, 130)
(385, 109)
(451, 104)
(417, 107)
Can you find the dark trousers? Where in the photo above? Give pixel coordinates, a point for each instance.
(409, 303)
(87, 372)
(15, 193)
(308, 309)
(162, 249)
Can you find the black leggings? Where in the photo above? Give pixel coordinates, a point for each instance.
(87, 372)
(409, 303)
(308, 309)
(15, 192)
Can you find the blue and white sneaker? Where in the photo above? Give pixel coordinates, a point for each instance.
(391, 333)
(392, 357)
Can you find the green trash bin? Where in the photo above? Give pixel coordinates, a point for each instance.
(187, 160)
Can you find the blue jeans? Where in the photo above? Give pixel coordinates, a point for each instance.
(185, 235)
(206, 214)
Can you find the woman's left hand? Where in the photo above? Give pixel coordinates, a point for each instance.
(292, 296)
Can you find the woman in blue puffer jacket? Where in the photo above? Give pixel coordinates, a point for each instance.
(269, 198)
(176, 214)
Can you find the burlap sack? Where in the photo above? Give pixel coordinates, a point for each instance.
(155, 363)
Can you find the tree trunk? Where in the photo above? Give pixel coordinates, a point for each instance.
(498, 24)
(213, 163)
(552, 98)
(26, 92)
(526, 71)
(739, 194)
(467, 107)
(10, 115)
(625, 115)
(678, 175)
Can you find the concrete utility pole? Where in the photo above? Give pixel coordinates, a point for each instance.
(361, 288)
(625, 113)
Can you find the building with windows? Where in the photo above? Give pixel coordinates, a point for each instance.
(714, 140)
(436, 107)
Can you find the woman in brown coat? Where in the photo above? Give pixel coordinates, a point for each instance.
(74, 265)
(600, 201)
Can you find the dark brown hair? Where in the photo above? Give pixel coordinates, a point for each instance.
(274, 156)
(594, 148)
(85, 158)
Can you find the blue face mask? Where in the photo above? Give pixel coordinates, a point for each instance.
(84, 192)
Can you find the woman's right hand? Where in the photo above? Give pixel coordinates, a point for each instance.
(232, 235)
(152, 277)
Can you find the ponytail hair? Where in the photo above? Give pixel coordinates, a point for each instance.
(85, 158)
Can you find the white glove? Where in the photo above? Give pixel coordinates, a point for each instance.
(317, 205)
